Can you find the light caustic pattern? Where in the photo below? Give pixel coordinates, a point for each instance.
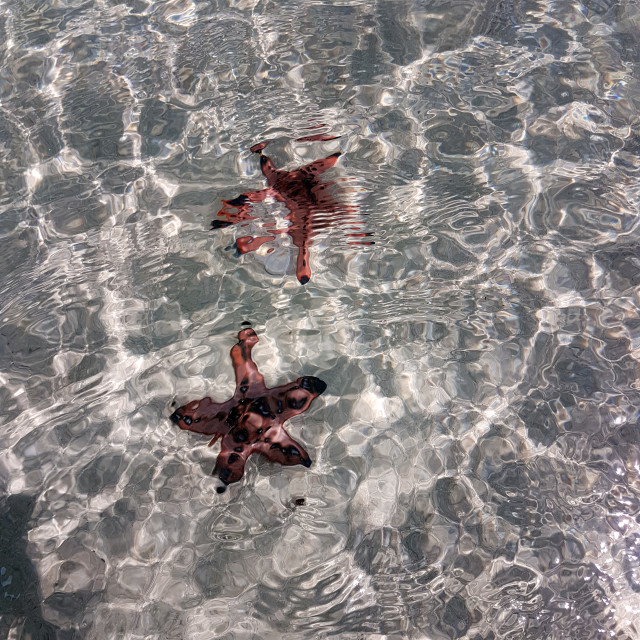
(475, 452)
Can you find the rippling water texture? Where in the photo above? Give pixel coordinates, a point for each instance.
(476, 452)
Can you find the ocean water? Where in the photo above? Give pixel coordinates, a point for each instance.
(476, 452)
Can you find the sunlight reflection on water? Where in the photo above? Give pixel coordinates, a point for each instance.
(476, 452)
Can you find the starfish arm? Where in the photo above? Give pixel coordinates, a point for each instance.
(246, 244)
(203, 416)
(296, 397)
(269, 170)
(316, 167)
(301, 219)
(238, 209)
(282, 448)
(230, 464)
(303, 264)
(248, 378)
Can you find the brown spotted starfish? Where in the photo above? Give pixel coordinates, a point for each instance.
(311, 204)
(252, 420)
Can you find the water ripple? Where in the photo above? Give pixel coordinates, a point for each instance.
(475, 453)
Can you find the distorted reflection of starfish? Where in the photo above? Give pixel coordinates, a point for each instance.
(310, 201)
(252, 420)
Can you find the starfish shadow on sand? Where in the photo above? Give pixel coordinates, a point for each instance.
(251, 421)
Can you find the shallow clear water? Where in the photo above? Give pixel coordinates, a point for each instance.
(476, 453)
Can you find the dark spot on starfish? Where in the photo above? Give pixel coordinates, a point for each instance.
(220, 224)
(244, 381)
(244, 389)
(239, 201)
(238, 449)
(197, 420)
(275, 445)
(306, 462)
(267, 440)
(175, 417)
(187, 420)
(240, 435)
(221, 489)
(313, 384)
(304, 279)
(295, 404)
(224, 474)
(293, 452)
(260, 430)
(233, 458)
(279, 406)
(261, 407)
(233, 417)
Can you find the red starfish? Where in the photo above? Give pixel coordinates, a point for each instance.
(252, 420)
(310, 203)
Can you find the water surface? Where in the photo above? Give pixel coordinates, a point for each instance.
(476, 452)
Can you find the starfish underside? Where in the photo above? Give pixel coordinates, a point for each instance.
(252, 420)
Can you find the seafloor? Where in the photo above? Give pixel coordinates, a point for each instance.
(476, 452)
